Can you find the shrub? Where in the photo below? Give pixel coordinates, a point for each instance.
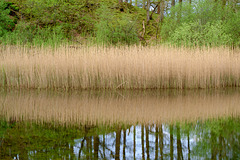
(202, 23)
(6, 23)
(73, 16)
(193, 34)
(26, 34)
(115, 28)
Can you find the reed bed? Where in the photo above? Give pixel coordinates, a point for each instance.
(70, 67)
(91, 108)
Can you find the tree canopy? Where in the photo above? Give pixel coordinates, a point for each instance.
(114, 22)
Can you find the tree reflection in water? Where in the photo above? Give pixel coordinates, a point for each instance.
(212, 139)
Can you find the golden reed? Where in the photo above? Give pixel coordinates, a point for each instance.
(70, 67)
(128, 107)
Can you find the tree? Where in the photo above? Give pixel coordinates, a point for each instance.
(147, 141)
(161, 141)
(142, 141)
(173, 3)
(114, 27)
(148, 10)
(117, 145)
(96, 146)
(156, 142)
(179, 144)
(124, 143)
(6, 23)
(171, 142)
(134, 142)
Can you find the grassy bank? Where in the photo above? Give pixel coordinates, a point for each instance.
(71, 67)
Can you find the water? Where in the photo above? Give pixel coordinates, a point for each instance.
(159, 124)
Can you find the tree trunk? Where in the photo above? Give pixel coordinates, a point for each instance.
(142, 138)
(147, 142)
(160, 17)
(173, 3)
(124, 144)
(148, 10)
(134, 142)
(156, 143)
(189, 150)
(162, 4)
(171, 142)
(72, 156)
(104, 146)
(159, 8)
(81, 147)
(213, 145)
(179, 144)
(161, 141)
(88, 147)
(117, 147)
(96, 146)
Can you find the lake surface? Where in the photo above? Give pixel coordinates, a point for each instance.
(121, 124)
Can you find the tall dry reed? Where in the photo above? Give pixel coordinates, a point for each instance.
(124, 67)
(119, 107)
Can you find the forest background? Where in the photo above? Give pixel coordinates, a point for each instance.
(120, 22)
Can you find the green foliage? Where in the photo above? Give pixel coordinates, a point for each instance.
(202, 23)
(232, 27)
(26, 34)
(3, 127)
(171, 22)
(115, 28)
(193, 34)
(73, 16)
(215, 34)
(6, 23)
(214, 134)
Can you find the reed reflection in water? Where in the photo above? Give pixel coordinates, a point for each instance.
(131, 107)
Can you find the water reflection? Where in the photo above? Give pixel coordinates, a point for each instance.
(132, 107)
(169, 124)
(212, 139)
